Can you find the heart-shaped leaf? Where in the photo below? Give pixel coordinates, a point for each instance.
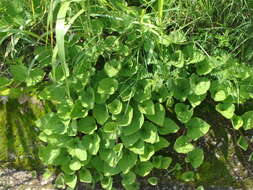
(127, 161)
(168, 127)
(183, 112)
(115, 107)
(130, 140)
(147, 107)
(162, 143)
(138, 147)
(87, 125)
(196, 157)
(135, 125)
(100, 113)
(107, 86)
(91, 143)
(247, 120)
(200, 85)
(182, 145)
(70, 180)
(149, 132)
(85, 175)
(148, 152)
(19, 72)
(128, 178)
(197, 128)
(153, 181)
(112, 68)
(143, 168)
(226, 109)
(158, 117)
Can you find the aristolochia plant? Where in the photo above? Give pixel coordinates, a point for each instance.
(119, 87)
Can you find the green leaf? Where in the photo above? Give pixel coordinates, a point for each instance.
(200, 85)
(149, 133)
(125, 118)
(181, 89)
(204, 67)
(110, 171)
(53, 93)
(91, 143)
(78, 150)
(147, 107)
(112, 156)
(49, 154)
(242, 143)
(165, 162)
(4, 82)
(183, 112)
(177, 59)
(19, 72)
(200, 188)
(250, 157)
(112, 68)
(247, 120)
(177, 37)
(158, 117)
(87, 98)
(101, 98)
(65, 167)
(161, 162)
(143, 168)
(129, 68)
(162, 143)
(87, 125)
(70, 180)
(237, 122)
(34, 76)
(168, 127)
(106, 183)
(127, 161)
(226, 109)
(78, 111)
(110, 127)
(107, 86)
(59, 182)
(138, 147)
(148, 153)
(196, 100)
(126, 93)
(143, 90)
(182, 145)
(85, 175)
(135, 125)
(196, 157)
(196, 128)
(115, 107)
(75, 165)
(128, 178)
(100, 113)
(130, 140)
(187, 176)
(153, 181)
(50, 123)
(219, 90)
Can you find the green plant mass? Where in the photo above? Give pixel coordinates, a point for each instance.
(124, 84)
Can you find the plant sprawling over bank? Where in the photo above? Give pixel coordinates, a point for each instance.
(124, 93)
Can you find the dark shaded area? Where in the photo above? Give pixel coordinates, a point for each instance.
(20, 139)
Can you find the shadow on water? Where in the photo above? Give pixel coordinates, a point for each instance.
(19, 144)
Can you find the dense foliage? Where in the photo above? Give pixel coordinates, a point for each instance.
(120, 88)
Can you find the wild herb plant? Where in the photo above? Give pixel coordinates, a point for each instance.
(121, 89)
